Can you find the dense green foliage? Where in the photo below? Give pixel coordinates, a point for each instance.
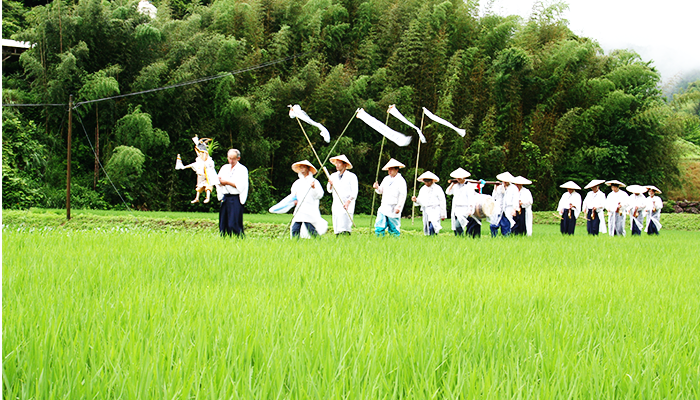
(535, 99)
(143, 314)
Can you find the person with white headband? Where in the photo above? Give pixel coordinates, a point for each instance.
(637, 203)
(307, 221)
(594, 207)
(653, 211)
(461, 207)
(344, 195)
(616, 204)
(523, 213)
(394, 191)
(569, 207)
(431, 199)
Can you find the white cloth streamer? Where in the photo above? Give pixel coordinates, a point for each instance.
(439, 120)
(396, 137)
(295, 111)
(395, 112)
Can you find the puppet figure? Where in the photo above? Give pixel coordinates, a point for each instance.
(203, 166)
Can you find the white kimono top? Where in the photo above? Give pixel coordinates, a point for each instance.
(237, 175)
(615, 218)
(525, 199)
(431, 200)
(206, 172)
(639, 202)
(462, 203)
(498, 193)
(393, 191)
(511, 202)
(307, 209)
(570, 200)
(346, 187)
(653, 212)
(596, 201)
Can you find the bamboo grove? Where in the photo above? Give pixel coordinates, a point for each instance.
(535, 98)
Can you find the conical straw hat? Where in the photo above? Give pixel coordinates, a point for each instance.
(460, 173)
(428, 175)
(343, 159)
(570, 185)
(594, 182)
(505, 177)
(391, 164)
(296, 165)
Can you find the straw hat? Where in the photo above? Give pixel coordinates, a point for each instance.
(654, 188)
(343, 159)
(391, 164)
(505, 177)
(594, 182)
(570, 185)
(519, 180)
(615, 182)
(296, 165)
(428, 175)
(460, 173)
(636, 189)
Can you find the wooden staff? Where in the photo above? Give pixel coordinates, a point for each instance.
(338, 140)
(324, 170)
(415, 178)
(376, 177)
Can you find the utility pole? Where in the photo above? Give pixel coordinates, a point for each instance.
(70, 134)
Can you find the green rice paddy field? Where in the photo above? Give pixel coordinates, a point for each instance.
(106, 308)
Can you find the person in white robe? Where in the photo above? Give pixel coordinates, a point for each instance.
(462, 209)
(653, 211)
(616, 204)
(636, 206)
(594, 208)
(232, 192)
(431, 199)
(344, 187)
(307, 221)
(393, 191)
(569, 207)
(509, 205)
(523, 214)
(495, 219)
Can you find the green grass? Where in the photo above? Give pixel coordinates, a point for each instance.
(149, 313)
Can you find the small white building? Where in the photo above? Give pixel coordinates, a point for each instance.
(13, 48)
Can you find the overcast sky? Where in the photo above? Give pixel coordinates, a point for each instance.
(666, 32)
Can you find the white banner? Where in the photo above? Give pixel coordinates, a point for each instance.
(395, 112)
(439, 120)
(377, 125)
(296, 112)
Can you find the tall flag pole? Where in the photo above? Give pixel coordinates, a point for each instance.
(415, 178)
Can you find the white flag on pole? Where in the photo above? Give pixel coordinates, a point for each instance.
(395, 112)
(439, 120)
(295, 111)
(396, 137)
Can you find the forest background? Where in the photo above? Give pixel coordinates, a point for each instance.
(535, 99)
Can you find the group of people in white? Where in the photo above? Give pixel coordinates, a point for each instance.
(507, 210)
(644, 212)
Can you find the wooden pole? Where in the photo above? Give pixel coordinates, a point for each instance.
(338, 140)
(376, 176)
(97, 147)
(70, 134)
(415, 178)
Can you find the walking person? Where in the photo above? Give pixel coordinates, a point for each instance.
(594, 207)
(616, 204)
(393, 191)
(461, 208)
(653, 210)
(307, 221)
(508, 196)
(569, 207)
(523, 214)
(637, 203)
(431, 199)
(344, 195)
(233, 192)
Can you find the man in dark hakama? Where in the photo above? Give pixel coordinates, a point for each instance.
(233, 193)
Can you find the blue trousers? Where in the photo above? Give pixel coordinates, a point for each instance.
(504, 224)
(231, 216)
(296, 228)
(384, 223)
(593, 223)
(568, 224)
